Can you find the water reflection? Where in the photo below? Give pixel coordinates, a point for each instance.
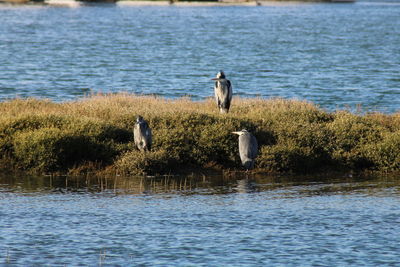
(285, 186)
(199, 221)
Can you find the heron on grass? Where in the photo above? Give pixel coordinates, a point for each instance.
(142, 134)
(223, 92)
(248, 148)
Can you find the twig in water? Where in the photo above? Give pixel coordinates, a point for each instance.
(102, 257)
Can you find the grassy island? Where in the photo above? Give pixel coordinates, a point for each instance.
(96, 134)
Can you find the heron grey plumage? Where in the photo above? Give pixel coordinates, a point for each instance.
(142, 134)
(248, 148)
(223, 92)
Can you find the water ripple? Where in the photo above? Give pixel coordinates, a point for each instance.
(335, 55)
(206, 221)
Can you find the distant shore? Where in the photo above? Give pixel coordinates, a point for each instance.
(175, 3)
(95, 134)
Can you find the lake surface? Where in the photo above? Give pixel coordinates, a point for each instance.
(336, 55)
(199, 221)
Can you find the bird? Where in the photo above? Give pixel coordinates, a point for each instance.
(142, 134)
(248, 148)
(223, 92)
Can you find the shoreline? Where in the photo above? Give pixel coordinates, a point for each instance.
(183, 4)
(122, 3)
(224, 3)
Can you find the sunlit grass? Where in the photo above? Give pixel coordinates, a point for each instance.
(96, 133)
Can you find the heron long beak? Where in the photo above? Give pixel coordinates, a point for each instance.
(215, 79)
(238, 133)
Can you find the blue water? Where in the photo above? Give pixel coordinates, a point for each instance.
(209, 221)
(336, 55)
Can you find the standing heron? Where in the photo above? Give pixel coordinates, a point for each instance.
(248, 148)
(142, 134)
(223, 92)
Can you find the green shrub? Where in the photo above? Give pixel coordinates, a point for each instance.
(300, 146)
(350, 134)
(290, 157)
(51, 149)
(138, 163)
(198, 138)
(55, 143)
(10, 126)
(386, 154)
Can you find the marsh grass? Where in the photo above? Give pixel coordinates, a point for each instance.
(96, 133)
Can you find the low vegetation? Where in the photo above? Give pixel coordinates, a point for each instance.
(96, 134)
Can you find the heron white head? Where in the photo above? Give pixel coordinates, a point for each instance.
(139, 118)
(220, 75)
(244, 131)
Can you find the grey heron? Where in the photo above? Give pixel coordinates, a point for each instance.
(142, 134)
(223, 92)
(248, 148)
